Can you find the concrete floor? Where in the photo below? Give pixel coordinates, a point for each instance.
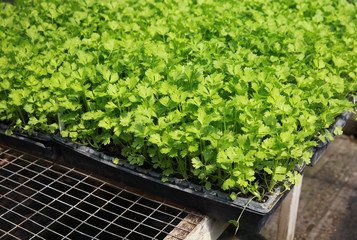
(328, 201)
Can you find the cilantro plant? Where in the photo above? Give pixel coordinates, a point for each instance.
(229, 94)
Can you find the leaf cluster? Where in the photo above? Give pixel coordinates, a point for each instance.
(231, 94)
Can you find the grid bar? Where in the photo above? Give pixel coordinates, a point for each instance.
(19, 225)
(38, 212)
(77, 172)
(43, 199)
(55, 220)
(174, 217)
(133, 230)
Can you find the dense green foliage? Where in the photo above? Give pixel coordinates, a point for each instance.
(231, 94)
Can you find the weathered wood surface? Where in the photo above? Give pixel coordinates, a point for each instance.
(206, 228)
(288, 214)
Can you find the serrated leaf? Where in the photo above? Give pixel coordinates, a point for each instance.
(156, 139)
(263, 130)
(208, 186)
(268, 170)
(228, 184)
(196, 163)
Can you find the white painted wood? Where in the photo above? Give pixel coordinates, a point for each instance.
(288, 214)
(206, 228)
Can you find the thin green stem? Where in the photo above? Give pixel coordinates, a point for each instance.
(21, 115)
(236, 222)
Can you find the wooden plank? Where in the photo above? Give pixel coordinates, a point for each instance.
(205, 228)
(288, 214)
(186, 225)
(209, 229)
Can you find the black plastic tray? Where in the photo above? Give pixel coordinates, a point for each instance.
(215, 204)
(212, 203)
(38, 144)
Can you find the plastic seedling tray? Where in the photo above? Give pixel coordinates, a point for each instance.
(212, 203)
(37, 144)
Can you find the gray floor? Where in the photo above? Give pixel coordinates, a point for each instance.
(328, 202)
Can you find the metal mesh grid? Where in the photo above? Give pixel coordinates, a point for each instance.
(40, 199)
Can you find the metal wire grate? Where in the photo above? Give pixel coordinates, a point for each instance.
(40, 199)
